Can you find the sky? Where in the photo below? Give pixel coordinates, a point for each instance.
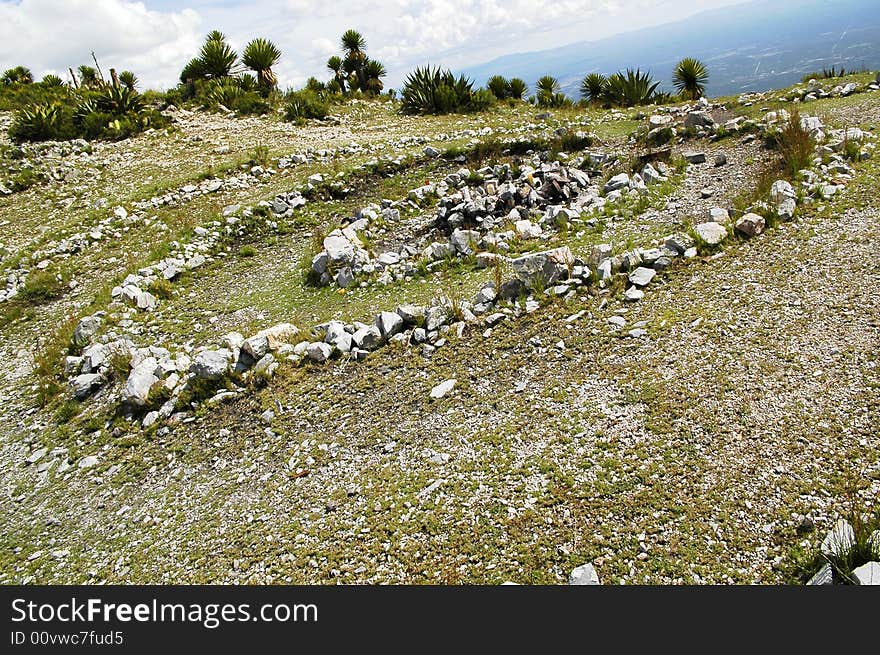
(155, 38)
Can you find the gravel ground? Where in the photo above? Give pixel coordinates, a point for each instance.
(691, 454)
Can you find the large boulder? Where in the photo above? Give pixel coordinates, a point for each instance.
(711, 233)
(141, 379)
(83, 385)
(211, 364)
(389, 324)
(541, 269)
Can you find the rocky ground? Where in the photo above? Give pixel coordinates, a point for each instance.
(704, 433)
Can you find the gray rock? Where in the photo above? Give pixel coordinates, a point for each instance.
(633, 294)
(642, 276)
(211, 364)
(83, 385)
(823, 576)
(487, 294)
(367, 338)
(750, 224)
(782, 190)
(88, 462)
(867, 574)
(338, 248)
(584, 575)
(431, 151)
(435, 317)
(711, 233)
(318, 352)
(264, 367)
(493, 319)
(389, 324)
(411, 314)
(442, 389)
(543, 268)
(37, 455)
(464, 241)
(839, 540)
(619, 181)
(678, 243)
(85, 330)
(693, 157)
(720, 159)
(141, 379)
(267, 417)
(344, 278)
(256, 346)
(719, 215)
(696, 119)
(786, 209)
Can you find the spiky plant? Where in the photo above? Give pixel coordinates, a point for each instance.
(128, 79)
(517, 88)
(192, 71)
(690, 77)
(51, 80)
(373, 72)
(247, 82)
(334, 65)
(630, 89)
(118, 100)
(216, 58)
(260, 55)
(499, 86)
(433, 91)
(593, 86)
(353, 42)
(88, 76)
(548, 85)
(17, 75)
(37, 122)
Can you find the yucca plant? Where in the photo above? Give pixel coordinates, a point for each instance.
(216, 58)
(334, 65)
(548, 93)
(593, 86)
(17, 75)
(260, 55)
(548, 85)
(499, 86)
(373, 72)
(88, 76)
(630, 89)
(517, 88)
(226, 92)
(128, 79)
(690, 77)
(51, 80)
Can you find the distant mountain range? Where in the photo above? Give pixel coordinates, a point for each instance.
(747, 47)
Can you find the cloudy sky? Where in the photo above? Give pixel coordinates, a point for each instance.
(155, 38)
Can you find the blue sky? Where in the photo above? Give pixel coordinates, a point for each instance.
(155, 38)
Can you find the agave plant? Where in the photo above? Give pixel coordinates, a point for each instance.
(260, 55)
(334, 65)
(434, 91)
(217, 59)
(592, 87)
(17, 75)
(38, 122)
(226, 92)
(517, 88)
(51, 80)
(499, 86)
(690, 77)
(631, 88)
(118, 100)
(128, 79)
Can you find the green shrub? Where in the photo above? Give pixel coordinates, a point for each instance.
(161, 288)
(247, 251)
(436, 91)
(499, 86)
(42, 286)
(630, 89)
(482, 100)
(796, 145)
(301, 105)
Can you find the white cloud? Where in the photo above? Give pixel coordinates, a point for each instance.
(53, 34)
